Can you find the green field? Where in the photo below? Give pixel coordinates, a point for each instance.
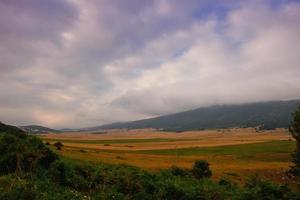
(241, 150)
(268, 159)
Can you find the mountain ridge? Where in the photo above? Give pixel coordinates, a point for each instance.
(268, 115)
(37, 129)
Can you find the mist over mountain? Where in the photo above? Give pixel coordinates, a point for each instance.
(4, 128)
(36, 129)
(267, 115)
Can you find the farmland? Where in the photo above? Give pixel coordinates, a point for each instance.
(232, 153)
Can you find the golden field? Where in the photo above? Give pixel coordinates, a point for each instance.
(234, 153)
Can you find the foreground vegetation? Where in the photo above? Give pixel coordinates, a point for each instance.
(295, 131)
(29, 170)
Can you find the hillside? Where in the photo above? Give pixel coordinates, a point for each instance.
(268, 115)
(35, 129)
(10, 129)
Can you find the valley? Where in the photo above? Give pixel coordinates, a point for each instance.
(235, 153)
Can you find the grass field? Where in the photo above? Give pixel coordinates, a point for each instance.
(234, 153)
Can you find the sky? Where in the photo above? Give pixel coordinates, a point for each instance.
(81, 63)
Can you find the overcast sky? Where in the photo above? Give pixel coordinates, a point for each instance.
(80, 63)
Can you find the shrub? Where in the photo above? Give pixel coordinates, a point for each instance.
(47, 157)
(83, 177)
(21, 190)
(172, 191)
(111, 194)
(23, 154)
(295, 131)
(177, 171)
(58, 172)
(8, 163)
(201, 169)
(58, 145)
(256, 188)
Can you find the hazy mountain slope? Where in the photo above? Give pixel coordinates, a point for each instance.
(35, 129)
(8, 129)
(273, 114)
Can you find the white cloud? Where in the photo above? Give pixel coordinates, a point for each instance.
(110, 61)
(218, 70)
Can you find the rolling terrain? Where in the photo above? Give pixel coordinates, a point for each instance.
(36, 129)
(267, 115)
(31, 169)
(263, 115)
(237, 153)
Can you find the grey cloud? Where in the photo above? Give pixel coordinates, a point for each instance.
(84, 63)
(27, 24)
(216, 71)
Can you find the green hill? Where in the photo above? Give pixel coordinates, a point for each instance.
(10, 129)
(35, 129)
(268, 115)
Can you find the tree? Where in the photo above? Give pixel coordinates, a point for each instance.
(201, 169)
(295, 131)
(58, 145)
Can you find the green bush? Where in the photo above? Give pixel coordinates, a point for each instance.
(58, 145)
(295, 131)
(18, 189)
(8, 163)
(257, 188)
(58, 173)
(111, 194)
(201, 169)
(23, 154)
(171, 190)
(177, 171)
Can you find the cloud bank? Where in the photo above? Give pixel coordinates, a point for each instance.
(73, 63)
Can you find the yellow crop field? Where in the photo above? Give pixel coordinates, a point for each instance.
(233, 153)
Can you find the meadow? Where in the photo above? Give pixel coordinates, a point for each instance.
(232, 153)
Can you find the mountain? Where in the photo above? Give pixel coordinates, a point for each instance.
(10, 129)
(35, 129)
(267, 115)
(66, 130)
